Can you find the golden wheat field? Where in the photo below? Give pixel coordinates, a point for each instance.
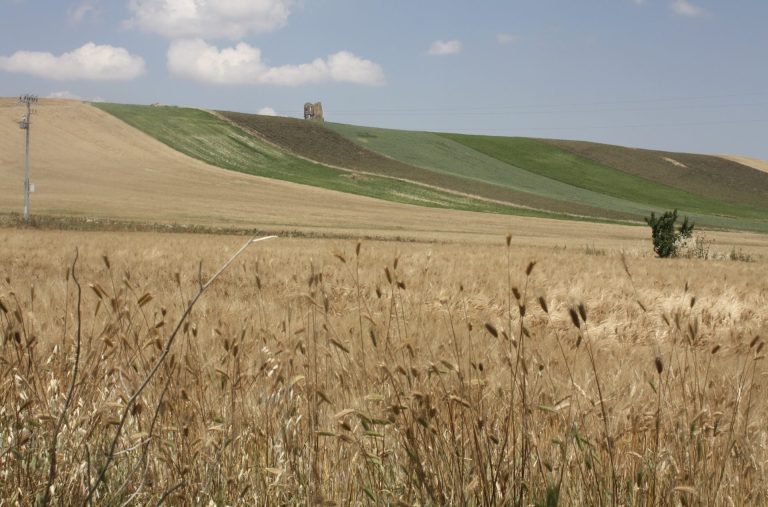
(324, 372)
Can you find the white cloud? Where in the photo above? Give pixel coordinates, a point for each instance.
(440, 47)
(86, 8)
(66, 94)
(243, 64)
(89, 62)
(507, 38)
(234, 19)
(686, 8)
(267, 111)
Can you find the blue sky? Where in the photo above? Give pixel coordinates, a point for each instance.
(683, 75)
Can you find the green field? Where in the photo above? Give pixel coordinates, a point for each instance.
(476, 173)
(316, 142)
(451, 159)
(548, 160)
(202, 135)
(536, 166)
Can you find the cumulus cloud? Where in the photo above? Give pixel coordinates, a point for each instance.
(507, 38)
(232, 19)
(240, 65)
(686, 8)
(267, 111)
(89, 62)
(441, 47)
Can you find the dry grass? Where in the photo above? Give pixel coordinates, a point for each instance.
(403, 375)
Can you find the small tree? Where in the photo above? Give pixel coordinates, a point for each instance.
(666, 239)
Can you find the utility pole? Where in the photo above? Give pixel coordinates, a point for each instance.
(24, 124)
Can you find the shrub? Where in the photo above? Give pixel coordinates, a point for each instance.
(666, 239)
(699, 247)
(740, 255)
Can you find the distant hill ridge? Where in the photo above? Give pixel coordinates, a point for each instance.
(567, 179)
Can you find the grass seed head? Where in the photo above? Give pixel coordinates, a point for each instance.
(574, 318)
(583, 312)
(543, 304)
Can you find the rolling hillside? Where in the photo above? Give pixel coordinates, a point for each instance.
(474, 173)
(708, 176)
(88, 165)
(541, 166)
(548, 160)
(204, 136)
(316, 142)
(192, 166)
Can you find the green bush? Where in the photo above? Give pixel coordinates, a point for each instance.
(666, 239)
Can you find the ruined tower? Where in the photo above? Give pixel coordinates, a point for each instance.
(313, 111)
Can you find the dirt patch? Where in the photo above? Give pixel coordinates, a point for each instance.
(674, 162)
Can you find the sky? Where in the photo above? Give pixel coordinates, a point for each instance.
(679, 75)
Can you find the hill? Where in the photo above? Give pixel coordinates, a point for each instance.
(760, 165)
(708, 176)
(477, 173)
(547, 159)
(191, 166)
(213, 140)
(314, 141)
(538, 166)
(89, 165)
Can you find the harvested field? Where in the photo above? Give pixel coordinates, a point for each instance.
(433, 373)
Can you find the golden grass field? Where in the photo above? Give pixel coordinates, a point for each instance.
(332, 372)
(405, 374)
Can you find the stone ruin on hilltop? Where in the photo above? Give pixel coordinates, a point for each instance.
(313, 111)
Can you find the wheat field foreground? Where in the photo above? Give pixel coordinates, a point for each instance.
(323, 372)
